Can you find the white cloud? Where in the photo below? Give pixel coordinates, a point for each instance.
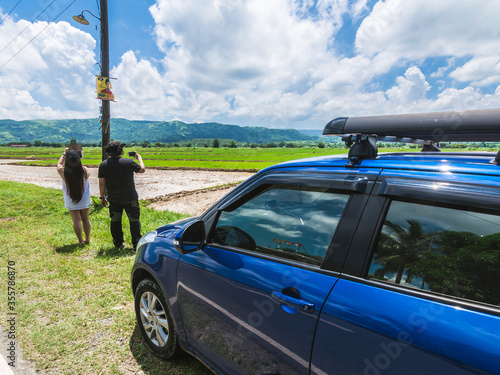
(409, 95)
(252, 45)
(467, 98)
(279, 68)
(450, 63)
(270, 63)
(358, 8)
(420, 29)
(142, 92)
(52, 75)
(256, 58)
(410, 89)
(414, 29)
(480, 71)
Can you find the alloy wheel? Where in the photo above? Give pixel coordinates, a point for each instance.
(154, 319)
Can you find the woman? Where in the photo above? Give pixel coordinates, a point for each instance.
(76, 192)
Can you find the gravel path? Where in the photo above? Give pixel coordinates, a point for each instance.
(175, 190)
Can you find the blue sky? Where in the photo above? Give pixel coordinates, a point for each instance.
(278, 63)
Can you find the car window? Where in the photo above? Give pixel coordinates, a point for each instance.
(292, 222)
(444, 250)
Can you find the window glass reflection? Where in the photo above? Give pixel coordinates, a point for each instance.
(293, 222)
(444, 250)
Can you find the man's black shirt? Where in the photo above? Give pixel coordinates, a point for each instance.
(118, 173)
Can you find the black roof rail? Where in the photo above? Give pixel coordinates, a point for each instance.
(427, 129)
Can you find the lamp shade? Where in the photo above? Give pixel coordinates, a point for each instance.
(81, 19)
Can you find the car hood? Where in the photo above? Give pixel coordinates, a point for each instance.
(168, 228)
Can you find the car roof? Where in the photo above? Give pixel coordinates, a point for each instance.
(453, 162)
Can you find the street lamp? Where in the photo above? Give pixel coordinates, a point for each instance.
(81, 18)
(106, 113)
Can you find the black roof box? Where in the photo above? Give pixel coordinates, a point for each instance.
(455, 126)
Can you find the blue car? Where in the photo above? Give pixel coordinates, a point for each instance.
(367, 264)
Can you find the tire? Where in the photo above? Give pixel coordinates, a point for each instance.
(155, 320)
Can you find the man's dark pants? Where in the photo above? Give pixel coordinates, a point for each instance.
(133, 212)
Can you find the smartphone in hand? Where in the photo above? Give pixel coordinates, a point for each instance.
(131, 153)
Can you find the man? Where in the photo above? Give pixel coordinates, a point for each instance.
(116, 175)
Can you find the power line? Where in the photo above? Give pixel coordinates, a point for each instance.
(481, 218)
(37, 34)
(31, 23)
(10, 11)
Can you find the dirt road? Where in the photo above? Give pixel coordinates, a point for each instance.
(185, 191)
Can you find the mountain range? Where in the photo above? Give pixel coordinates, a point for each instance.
(87, 131)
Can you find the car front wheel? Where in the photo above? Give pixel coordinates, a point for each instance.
(155, 321)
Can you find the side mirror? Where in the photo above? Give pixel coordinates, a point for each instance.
(191, 238)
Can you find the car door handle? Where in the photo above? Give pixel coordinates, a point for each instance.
(296, 303)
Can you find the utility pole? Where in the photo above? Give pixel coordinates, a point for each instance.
(106, 113)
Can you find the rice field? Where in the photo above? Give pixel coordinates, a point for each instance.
(179, 157)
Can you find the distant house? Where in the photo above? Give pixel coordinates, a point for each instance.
(18, 145)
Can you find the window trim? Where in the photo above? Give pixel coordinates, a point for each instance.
(359, 181)
(342, 182)
(443, 191)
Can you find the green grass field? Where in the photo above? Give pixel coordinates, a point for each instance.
(251, 159)
(180, 157)
(74, 306)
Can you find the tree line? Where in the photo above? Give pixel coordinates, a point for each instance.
(231, 143)
(214, 143)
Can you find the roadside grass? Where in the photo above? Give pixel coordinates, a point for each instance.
(74, 306)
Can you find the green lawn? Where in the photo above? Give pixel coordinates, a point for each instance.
(74, 306)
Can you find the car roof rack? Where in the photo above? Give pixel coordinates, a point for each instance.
(427, 129)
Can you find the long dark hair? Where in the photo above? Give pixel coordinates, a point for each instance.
(74, 175)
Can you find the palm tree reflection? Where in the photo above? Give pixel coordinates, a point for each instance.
(457, 263)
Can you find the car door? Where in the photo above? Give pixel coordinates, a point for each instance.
(420, 291)
(251, 298)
